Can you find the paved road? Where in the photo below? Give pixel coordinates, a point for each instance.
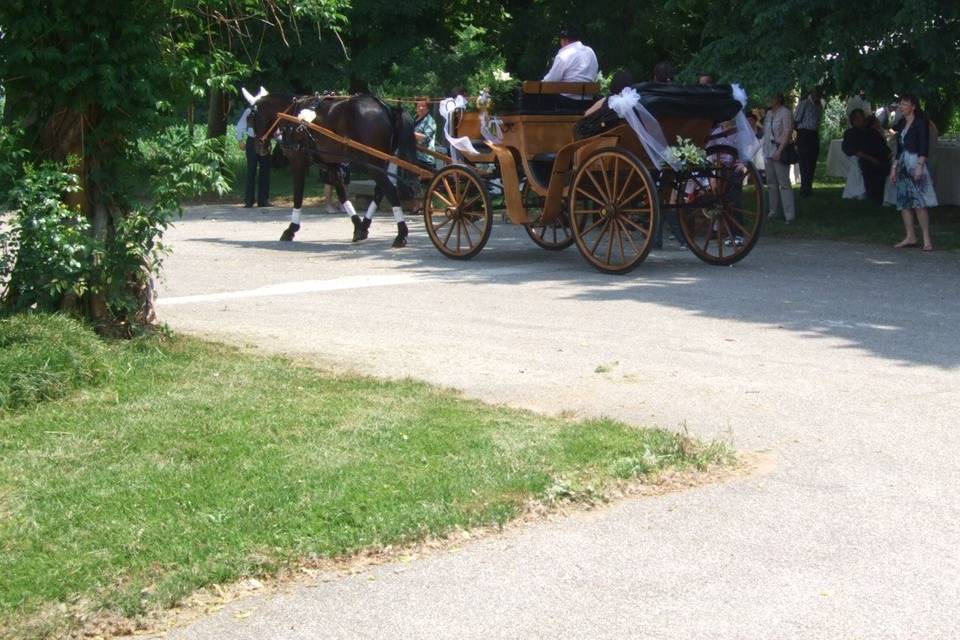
(840, 360)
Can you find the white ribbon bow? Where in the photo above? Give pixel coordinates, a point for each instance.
(627, 105)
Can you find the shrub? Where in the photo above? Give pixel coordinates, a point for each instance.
(47, 356)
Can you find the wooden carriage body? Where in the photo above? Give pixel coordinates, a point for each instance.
(606, 184)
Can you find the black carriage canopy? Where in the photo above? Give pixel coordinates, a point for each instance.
(713, 102)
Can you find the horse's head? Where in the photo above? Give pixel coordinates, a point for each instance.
(263, 112)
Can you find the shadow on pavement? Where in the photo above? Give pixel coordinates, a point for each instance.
(902, 306)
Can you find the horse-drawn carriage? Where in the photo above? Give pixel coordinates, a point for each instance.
(601, 183)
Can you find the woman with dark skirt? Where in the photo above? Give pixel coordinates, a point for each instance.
(872, 153)
(910, 174)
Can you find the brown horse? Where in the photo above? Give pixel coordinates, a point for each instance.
(362, 118)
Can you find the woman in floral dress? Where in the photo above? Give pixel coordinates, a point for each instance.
(910, 173)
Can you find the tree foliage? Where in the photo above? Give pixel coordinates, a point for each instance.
(86, 79)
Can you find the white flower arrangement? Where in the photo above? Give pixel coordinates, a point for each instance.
(685, 154)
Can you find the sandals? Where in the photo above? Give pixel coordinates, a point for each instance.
(903, 244)
(928, 248)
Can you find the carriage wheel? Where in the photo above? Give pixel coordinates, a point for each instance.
(613, 210)
(555, 236)
(721, 212)
(457, 212)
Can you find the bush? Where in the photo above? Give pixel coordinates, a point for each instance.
(47, 356)
(46, 251)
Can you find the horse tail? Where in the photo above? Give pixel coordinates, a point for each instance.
(406, 142)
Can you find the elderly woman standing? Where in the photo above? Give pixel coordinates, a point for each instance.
(777, 129)
(910, 174)
(425, 131)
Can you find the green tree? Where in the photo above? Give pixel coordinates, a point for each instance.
(892, 47)
(87, 79)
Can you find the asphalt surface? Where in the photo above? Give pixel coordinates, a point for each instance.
(840, 361)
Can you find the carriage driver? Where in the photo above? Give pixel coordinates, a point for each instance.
(575, 62)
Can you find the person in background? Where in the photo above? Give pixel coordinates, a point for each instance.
(663, 72)
(872, 153)
(910, 174)
(777, 129)
(258, 166)
(807, 120)
(425, 131)
(574, 62)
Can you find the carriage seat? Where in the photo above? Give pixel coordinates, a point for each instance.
(541, 98)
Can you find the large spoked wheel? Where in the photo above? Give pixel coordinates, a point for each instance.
(554, 236)
(457, 212)
(613, 210)
(721, 212)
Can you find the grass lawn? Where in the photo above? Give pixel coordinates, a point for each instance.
(192, 463)
(826, 215)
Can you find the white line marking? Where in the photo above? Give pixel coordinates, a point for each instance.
(294, 288)
(339, 284)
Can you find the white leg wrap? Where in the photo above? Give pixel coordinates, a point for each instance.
(295, 216)
(348, 207)
(398, 214)
(372, 209)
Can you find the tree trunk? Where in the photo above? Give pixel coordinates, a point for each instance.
(219, 106)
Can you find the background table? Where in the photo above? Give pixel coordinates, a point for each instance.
(944, 165)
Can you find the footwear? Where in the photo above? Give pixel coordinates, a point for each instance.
(903, 244)
(927, 249)
(357, 227)
(248, 205)
(265, 205)
(737, 241)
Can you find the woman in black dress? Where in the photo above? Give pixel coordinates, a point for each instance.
(873, 155)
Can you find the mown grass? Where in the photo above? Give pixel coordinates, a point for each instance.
(195, 463)
(827, 216)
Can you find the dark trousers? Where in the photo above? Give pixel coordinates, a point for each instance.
(262, 181)
(808, 148)
(874, 179)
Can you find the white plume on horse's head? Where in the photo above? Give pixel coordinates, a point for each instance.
(253, 99)
(307, 115)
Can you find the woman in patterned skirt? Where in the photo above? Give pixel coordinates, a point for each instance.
(910, 174)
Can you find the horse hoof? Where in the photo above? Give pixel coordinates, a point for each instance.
(402, 233)
(289, 232)
(365, 228)
(357, 228)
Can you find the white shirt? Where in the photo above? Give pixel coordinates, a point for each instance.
(575, 62)
(244, 129)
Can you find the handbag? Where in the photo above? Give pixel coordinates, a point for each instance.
(790, 155)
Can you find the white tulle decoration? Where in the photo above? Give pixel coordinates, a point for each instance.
(627, 105)
(307, 115)
(746, 139)
(463, 144)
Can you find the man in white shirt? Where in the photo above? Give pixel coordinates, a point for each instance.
(575, 62)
